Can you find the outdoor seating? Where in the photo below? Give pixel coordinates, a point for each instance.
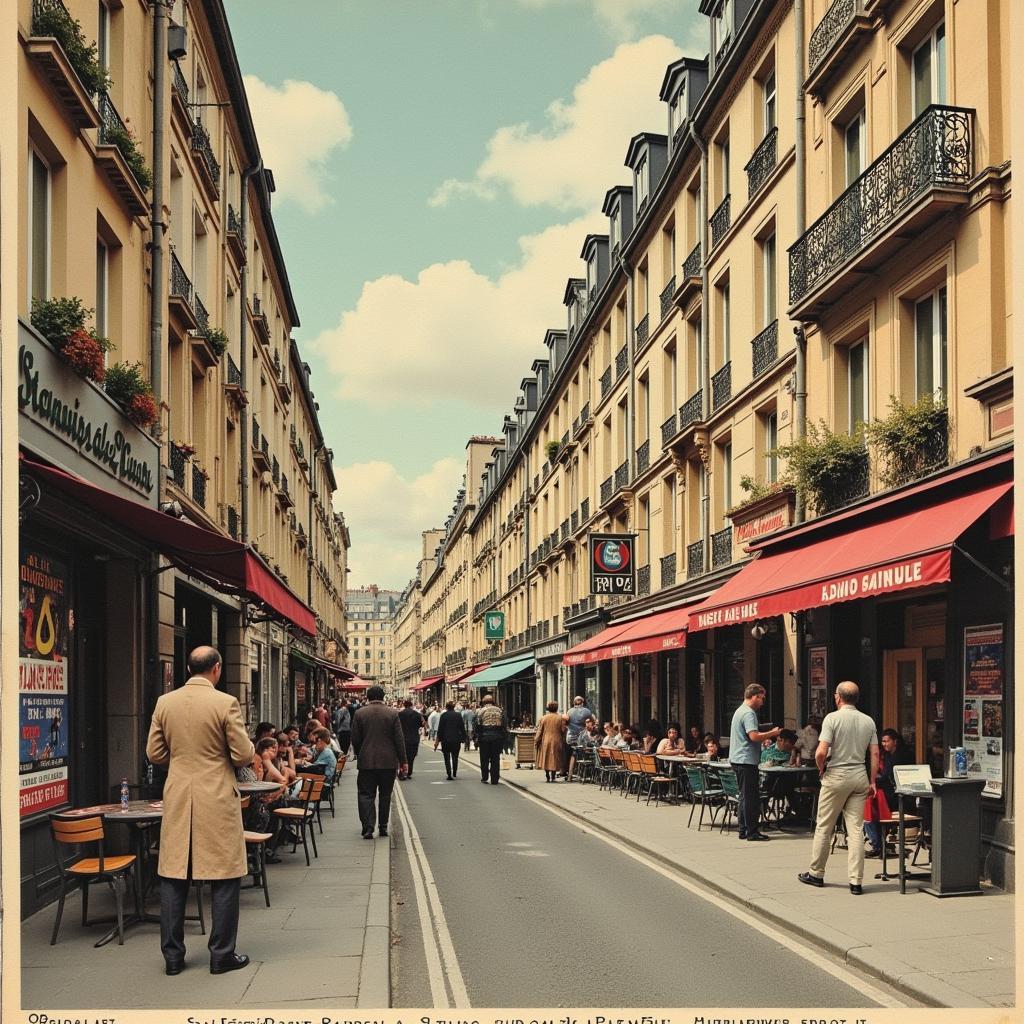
(619, 769)
(84, 871)
(730, 794)
(256, 847)
(316, 772)
(301, 816)
(608, 767)
(634, 772)
(655, 781)
(703, 793)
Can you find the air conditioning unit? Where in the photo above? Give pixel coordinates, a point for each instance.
(177, 41)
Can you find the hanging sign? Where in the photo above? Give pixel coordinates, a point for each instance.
(494, 626)
(612, 567)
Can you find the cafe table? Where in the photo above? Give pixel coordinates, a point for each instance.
(784, 779)
(677, 764)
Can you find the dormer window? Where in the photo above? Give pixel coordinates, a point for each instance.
(592, 275)
(614, 232)
(721, 28)
(677, 111)
(641, 181)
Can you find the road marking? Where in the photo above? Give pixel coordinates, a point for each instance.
(445, 946)
(832, 967)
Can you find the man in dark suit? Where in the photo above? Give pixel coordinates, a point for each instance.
(413, 724)
(380, 749)
(451, 734)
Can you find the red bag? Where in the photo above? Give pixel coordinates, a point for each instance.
(876, 808)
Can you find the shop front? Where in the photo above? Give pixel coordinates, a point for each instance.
(512, 683)
(553, 679)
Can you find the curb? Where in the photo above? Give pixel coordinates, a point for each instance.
(374, 984)
(923, 991)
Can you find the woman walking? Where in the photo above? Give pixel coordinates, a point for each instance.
(550, 742)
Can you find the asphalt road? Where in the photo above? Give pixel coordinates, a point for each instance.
(541, 913)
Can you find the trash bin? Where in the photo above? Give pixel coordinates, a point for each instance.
(956, 837)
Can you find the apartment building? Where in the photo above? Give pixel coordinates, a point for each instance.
(370, 614)
(179, 488)
(407, 623)
(786, 372)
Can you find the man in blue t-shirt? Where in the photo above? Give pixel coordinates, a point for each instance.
(576, 719)
(324, 754)
(745, 739)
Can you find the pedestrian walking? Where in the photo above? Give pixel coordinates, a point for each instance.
(848, 737)
(343, 727)
(469, 721)
(451, 733)
(745, 741)
(549, 741)
(432, 719)
(198, 732)
(413, 727)
(380, 749)
(490, 739)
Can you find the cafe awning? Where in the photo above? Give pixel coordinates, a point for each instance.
(338, 670)
(582, 653)
(494, 674)
(900, 549)
(424, 684)
(223, 563)
(355, 683)
(461, 677)
(651, 634)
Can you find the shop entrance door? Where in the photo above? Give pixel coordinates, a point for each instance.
(903, 697)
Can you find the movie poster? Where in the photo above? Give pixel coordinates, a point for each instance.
(46, 622)
(983, 705)
(817, 677)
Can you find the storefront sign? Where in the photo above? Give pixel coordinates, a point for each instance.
(494, 625)
(552, 650)
(72, 422)
(44, 711)
(983, 705)
(759, 518)
(612, 569)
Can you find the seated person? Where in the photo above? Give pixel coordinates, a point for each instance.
(611, 735)
(711, 747)
(263, 730)
(285, 753)
(807, 741)
(300, 749)
(627, 740)
(266, 750)
(894, 751)
(590, 736)
(781, 751)
(694, 744)
(649, 741)
(672, 744)
(324, 754)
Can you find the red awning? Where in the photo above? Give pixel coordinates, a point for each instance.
(355, 683)
(338, 670)
(424, 683)
(223, 563)
(660, 631)
(463, 676)
(903, 551)
(582, 653)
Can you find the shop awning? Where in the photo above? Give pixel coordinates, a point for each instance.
(902, 550)
(223, 563)
(337, 670)
(355, 683)
(581, 653)
(660, 631)
(461, 677)
(494, 674)
(423, 684)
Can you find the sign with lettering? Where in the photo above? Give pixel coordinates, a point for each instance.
(759, 518)
(612, 567)
(72, 422)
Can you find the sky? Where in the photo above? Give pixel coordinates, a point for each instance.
(438, 164)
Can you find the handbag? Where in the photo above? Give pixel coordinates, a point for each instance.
(876, 808)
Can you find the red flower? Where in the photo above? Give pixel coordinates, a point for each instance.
(84, 354)
(142, 410)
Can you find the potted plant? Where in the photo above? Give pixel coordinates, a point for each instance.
(184, 448)
(124, 139)
(217, 340)
(830, 469)
(62, 323)
(757, 492)
(551, 449)
(126, 385)
(54, 20)
(912, 440)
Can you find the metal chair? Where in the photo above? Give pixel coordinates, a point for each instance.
(704, 794)
(256, 842)
(730, 794)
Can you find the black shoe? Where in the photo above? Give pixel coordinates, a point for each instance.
(857, 890)
(808, 879)
(449, 778)
(367, 834)
(235, 962)
(174, 966)
(872, 854)
(757, 837)
(494, 782)
(741, 835)
(272, 858)
(382, 831)
(484, 781)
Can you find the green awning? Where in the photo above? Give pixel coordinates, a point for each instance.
(499, 673)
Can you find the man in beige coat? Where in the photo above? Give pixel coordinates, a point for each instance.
(198, 731)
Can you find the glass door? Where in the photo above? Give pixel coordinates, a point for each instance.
(903, 698)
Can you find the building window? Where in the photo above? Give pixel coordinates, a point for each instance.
(723, 164)
(591, 274)
(103, 36)
(676, 110)
(641, 181)
(930, 340)
(771, 442)
(38, 228)
(769, 101)
(726, 338)
(726, 477)
(768, 281)
(853, 145)
(929, 70)
(613, 228)
(857, 384)
(102, 286)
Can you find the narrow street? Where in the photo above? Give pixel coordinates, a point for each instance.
(540, 912)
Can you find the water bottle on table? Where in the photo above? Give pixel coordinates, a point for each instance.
(124, 795)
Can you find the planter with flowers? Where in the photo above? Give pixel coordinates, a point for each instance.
(62, 323)
(126, 385)
(766, 508)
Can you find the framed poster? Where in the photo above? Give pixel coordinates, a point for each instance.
(44, 713)
(983, 705)
(817, 680)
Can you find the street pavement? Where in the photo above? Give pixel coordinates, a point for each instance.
(955, 952)
(322, 943)
(541, 913)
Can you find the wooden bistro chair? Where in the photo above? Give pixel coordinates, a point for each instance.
(634, 772)
(322, 775)
(608, 767)
(256, 844)
(83, 871)
(656, 782)
(333, 784)
(301, 816)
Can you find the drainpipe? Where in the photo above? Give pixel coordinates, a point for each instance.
(630, 438)
(705, 354)
(800, 407)
(243, 349)
(156, 223)
(320, 449)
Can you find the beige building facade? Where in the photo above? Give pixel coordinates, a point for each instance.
(370, 615)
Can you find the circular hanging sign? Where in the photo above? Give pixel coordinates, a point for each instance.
(612, 556)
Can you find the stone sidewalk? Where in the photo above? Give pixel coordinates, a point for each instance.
(324, 941)
(942, 952)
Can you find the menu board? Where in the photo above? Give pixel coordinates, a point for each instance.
(817, 677)
(983, 705)
(44, 709)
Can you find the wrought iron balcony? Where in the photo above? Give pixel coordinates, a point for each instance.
(695, 559)
(643, 457)
(180, 283)
(666, 297)
(720, 221)
(198, 486)
(204, 148)
(234, 373)
(721, 547)
(668, 430)
(177, 459)
(606, 382)
(622, 360)
(234, 222)
(574, 521)
(668, 570)
(202, 317)
(832, 35)
(233, 521)
(584, 510)
(760, 166)
(643, 330)
(275, 471)
(691, 410)
(721, 386)
(854, 486)
(643, 580)
(691, 265)
(606, 490)
(622, 476)
(921, 175)
(766, 348)
(563, 531)
(178, 82)
(255, 432)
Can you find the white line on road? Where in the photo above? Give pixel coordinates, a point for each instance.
(431, 905)
(833, 967)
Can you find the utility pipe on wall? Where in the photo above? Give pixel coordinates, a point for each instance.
(243, 350)
(156, 223)
(800, 405)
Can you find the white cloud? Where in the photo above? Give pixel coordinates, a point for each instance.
(578, 155)
(387, 513)
(299, 126)
(455, 335)
(621, 18)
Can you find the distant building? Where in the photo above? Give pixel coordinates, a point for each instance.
(370, 617)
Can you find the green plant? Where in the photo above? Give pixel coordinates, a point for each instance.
(217, 340)
(124, 381)
(830, 469)
(755, 491)
(82, 56)
(57, 319)
(551, 449)
(912, 440)
(124, 139)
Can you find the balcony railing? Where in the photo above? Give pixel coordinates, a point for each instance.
(762, 163)
(668, 570)
(233, 521)
(721, 386)
(255, 432)
(643, 457)
(177, 459)
(606, 490)
(621, 361)
(180, 284)
(668, 430)
(855, 486)
(179, 83)
(234, 373)
(275, 471)
(936, 151)
(234, 222)
(838, 19)
(766, 348)
(691, 265)
(666, 297)
(691, 410)
(622, 476)
(574, 521)
(202, 317)
(201, 144)
(695, 559)
(606, 382)
(643, 330)
(721, 547)
(720, 221)
(584, 510)
(643, 580)
(198, 486)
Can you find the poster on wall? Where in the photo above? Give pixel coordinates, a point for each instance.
(817, 678)
(46, 624)
(983, 705)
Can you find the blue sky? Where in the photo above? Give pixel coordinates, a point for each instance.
(438, 164)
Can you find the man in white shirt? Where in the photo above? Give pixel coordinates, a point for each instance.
(807, 740)
(432, 719)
